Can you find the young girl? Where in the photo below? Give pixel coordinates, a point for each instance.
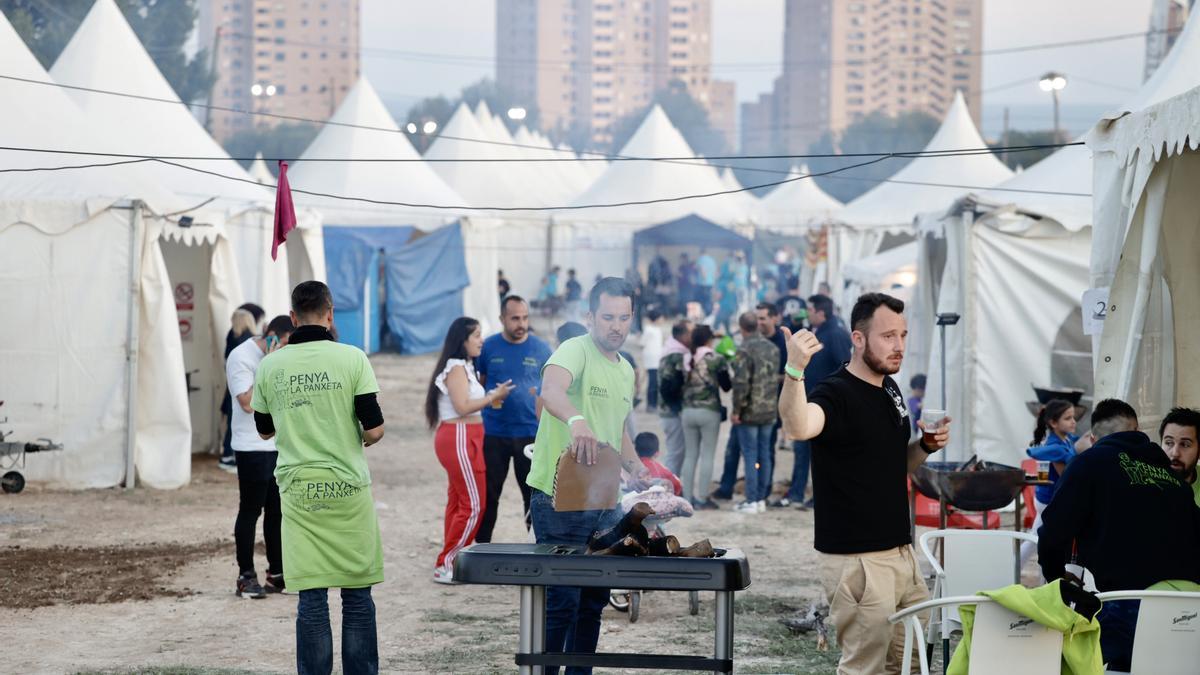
(452, 406)
(1053, 441)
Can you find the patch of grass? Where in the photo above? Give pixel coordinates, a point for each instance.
(447, 616)
(752, 603)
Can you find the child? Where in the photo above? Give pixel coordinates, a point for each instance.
(646, 446)
(1054, 442)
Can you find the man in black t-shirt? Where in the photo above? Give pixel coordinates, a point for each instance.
(858, 424)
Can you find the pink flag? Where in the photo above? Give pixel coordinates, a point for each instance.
(285, 212)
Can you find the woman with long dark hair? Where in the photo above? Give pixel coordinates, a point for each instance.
(1053, 441)
(701, 417)
(452, 406)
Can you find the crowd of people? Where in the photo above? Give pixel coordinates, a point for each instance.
(794, 373)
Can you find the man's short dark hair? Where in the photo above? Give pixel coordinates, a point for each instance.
(508, 299)
(917, 381)
(772, 310)
(311, 299)
(569, 330)
(653, 314)
(822, 303)
(281, 325)
(1108, 415)
(615, 287)
(646, 444)
(1184, 417)
(681, 329)
(866, 306)
(748, 322)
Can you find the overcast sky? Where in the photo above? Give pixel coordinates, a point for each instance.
(751, 31)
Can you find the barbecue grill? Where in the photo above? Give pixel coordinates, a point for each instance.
(533, 567)
(983, 487)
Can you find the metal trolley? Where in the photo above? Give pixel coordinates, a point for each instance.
(12, 458)
(533, 567)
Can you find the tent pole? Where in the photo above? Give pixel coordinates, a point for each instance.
(133, 314)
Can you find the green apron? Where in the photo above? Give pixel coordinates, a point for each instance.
(330, 533)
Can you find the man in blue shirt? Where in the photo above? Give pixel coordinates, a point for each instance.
(706, 267)
(833, 336)
(512, 354)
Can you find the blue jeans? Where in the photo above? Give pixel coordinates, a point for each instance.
(314, 639)
(803, 456)
(755, 442)
(1118, 619)
(733, 456)
(572, 614)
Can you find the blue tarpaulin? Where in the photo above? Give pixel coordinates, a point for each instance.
(425, 281)
(424, 278)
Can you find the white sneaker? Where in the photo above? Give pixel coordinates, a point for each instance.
(761, 506)
(746, 507)
(443, 575)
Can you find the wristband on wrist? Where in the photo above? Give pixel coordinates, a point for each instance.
(573, 420)
(794, 373)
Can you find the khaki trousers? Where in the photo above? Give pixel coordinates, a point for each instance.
(864, 589)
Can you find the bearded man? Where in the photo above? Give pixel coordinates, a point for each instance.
(858, 423)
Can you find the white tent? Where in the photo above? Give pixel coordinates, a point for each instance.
(258, 171)
(1147, 211)
(362, 128)
(797, 205)
(633, 181)
(893, 272)
(556, 181)
(746, 201)
(105, 54)
(93, 336)
(891, 207)
(480, 183)
(1012, 264)
(586, 172)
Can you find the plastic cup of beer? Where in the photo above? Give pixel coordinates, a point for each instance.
(932, 419)
(1043, 471)
(497, 403)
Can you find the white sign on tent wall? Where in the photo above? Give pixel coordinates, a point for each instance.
(1095, 309)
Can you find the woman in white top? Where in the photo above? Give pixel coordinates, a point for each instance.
(452, 407)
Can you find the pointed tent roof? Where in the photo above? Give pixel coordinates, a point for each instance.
(800, 203)
(581, 174)
(406, 181)
(480, 183)
(258, 171)
(105, 54)
(895, 204)
(626, 181)
(47, 117)
(558, 181)
(745, 199)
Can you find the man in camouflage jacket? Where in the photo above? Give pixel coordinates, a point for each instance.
(754, 408)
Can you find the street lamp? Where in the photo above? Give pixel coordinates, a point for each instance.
(429, 127)
(1054, 82)
(516, 113)
(411, 127)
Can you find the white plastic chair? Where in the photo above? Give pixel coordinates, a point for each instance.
(1002, 641)
(975, 560)
(1166, 640)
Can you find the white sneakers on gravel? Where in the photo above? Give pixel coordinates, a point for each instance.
(443, 575)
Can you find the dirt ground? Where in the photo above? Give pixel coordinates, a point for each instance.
(143, 580)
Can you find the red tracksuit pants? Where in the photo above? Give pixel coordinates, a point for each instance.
(460, 450)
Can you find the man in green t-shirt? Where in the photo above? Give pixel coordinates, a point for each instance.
(317, 399)
(587, 396)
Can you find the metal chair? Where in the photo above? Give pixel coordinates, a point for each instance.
(1002, 641)
(970, 561)
(1166, 639)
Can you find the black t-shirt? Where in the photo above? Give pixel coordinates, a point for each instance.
(859, 465)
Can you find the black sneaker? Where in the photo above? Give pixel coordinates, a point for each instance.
(248, 587)
(721, 495)
(706, 505)
(274, 584)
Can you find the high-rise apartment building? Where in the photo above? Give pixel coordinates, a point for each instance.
(1167, 18)
(293, 57)
(586, 64)
(845, 59)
